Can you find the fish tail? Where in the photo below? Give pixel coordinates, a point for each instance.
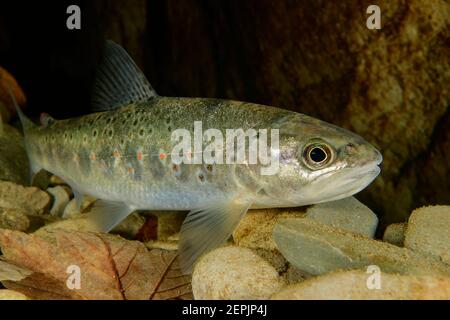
(27, 124)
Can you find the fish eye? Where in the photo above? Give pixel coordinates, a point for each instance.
(317, 155)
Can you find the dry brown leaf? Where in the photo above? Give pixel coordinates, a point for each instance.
(111, 267)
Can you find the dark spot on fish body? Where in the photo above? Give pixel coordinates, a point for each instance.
(209, 168)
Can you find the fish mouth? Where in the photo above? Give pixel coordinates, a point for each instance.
(341, 184)
(352, 180)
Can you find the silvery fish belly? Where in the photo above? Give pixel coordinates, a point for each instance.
(215, 158)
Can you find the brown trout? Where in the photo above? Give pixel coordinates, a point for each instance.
(124, 156)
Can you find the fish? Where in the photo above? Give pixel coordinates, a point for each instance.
(122, 154)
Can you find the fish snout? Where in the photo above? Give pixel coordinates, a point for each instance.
(378, 156)
(362, 153)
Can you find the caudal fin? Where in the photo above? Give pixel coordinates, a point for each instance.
(27, 124)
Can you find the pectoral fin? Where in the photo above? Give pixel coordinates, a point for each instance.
(207, 228)
(105, 215)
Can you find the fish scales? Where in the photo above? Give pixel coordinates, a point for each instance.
(100, 151)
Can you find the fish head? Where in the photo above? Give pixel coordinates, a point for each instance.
(321, 162)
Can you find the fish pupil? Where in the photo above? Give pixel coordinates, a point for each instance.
(317, 155)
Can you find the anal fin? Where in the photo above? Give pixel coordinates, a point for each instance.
(207, 228)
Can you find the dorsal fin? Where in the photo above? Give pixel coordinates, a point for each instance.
(119, 81)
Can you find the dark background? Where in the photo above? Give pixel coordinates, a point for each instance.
(312, 56)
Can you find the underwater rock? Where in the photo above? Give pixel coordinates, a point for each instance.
(255, 232)
(6, 294)
(348, 214)
(13, 158)
(395, 234)
(293, 275)
(428, 231)
(357, 285)
(14, 219)
(56, 181)
(71, 210)
(317, 248)
(31, 199)
(41, 179)
(129, 227)
(61, 198)
(168, 222)
(234, 273)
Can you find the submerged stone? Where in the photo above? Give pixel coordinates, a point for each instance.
(61, 198)
(234, 273)
(255, 232)
(358, 285)
(428, 231)
(14, 219)
(317, 248)
(395, 234)
(33, 200)
(348, 214)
